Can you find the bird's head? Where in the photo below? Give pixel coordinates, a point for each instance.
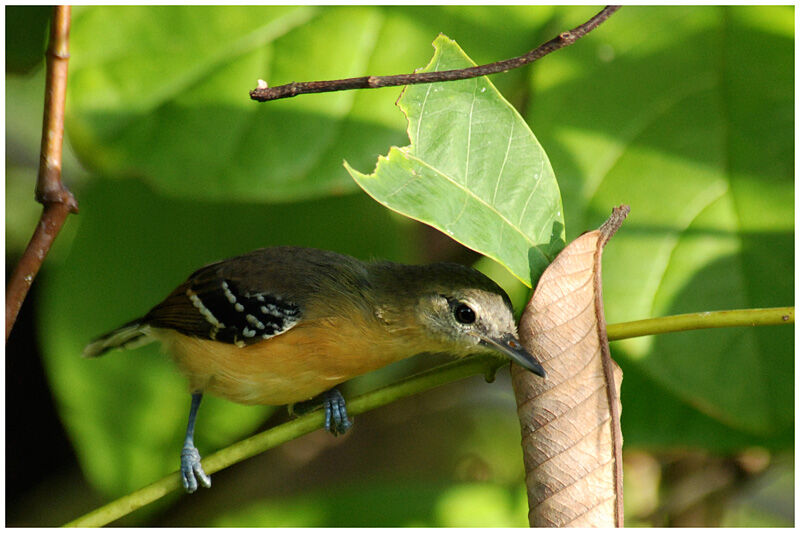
(466, 311)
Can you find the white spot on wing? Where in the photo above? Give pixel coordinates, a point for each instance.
(228, 294)
(254, 321)
(207, 314)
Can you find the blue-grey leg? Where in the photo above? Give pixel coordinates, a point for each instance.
(336, 421)
(191, 469)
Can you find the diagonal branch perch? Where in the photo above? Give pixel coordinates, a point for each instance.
(263, 93)
(58, 202)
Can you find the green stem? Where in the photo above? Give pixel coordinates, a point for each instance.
(710, 319)
(470, 366)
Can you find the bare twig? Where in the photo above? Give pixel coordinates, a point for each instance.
(58, 202)
(262, 93)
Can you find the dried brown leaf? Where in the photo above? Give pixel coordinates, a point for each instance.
(572, 444)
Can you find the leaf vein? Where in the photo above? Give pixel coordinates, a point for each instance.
(480, 200)
(576, 442)
(533, 191)
(416, 140)
(505, 159)
(574, 481)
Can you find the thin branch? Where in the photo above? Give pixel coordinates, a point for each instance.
(58, 202)
(262, 93)
(486, 365)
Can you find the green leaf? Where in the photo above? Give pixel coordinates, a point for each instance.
(687, 115)
(26, 36)
(473, 170)
(166, 96)
(161, 92)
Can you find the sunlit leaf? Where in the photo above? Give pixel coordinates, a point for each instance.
(473, 170)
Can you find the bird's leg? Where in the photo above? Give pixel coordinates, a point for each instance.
(336, 421)
(191, 469)
(305, 407)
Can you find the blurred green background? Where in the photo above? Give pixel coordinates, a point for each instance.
(684, 113)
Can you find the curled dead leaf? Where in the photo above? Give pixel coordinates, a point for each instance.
(571, 438)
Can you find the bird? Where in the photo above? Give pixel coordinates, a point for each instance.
(287, 324)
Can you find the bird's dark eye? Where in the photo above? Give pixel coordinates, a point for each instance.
(464, 314)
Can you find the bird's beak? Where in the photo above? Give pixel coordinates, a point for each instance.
(510, 346)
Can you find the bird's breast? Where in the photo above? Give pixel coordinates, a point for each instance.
(310, 358)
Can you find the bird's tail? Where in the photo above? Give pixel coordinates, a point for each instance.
(131, 335)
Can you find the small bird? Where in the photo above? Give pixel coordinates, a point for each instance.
(286, 324)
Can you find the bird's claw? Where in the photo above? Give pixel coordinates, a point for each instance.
(192, 470)
(336, 421)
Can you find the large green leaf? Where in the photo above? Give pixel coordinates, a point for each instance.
(473, 170)
(688, 117)
(161, 93)
(26, 28)
(164, 92)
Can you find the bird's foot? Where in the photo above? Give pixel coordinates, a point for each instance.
(192, 470)
(336, 421)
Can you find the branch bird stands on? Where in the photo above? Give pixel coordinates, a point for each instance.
(284, 325)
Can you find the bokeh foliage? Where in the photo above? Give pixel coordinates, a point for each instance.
(689, 120)
(684, 113)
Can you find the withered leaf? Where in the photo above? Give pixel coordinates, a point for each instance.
(571, 439)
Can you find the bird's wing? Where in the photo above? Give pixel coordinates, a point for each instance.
(223, 308)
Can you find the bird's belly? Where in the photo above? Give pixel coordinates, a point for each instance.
(294, 366)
